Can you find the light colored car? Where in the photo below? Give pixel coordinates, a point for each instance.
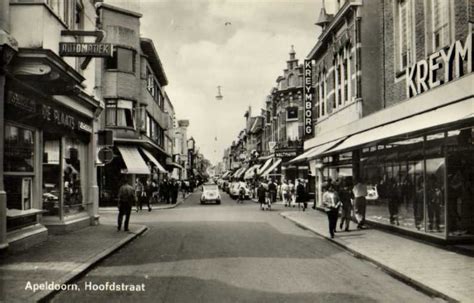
(235, 188)
(210, 193)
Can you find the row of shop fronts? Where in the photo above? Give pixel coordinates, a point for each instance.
(48, 154)
(418, 166)
(76, 125)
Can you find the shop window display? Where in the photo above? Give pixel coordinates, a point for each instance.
(72, 176)
(19, 166)
(51, 175)
(460, 182)
(395, 177)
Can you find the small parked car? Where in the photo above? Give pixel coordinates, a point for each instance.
(210, 193)
(235, 188)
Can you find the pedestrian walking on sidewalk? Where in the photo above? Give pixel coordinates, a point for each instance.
(261, 193)
(285, 193)
(174, 191)
(292, 196)
(126, 198)
(139, 194)
(346, 197)
(272, 189)
(360, 204)
(301, 196)
(149, 189)
(331, 203)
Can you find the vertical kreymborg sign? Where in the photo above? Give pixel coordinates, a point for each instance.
(308, 98)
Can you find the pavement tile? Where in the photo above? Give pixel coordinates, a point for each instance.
(59, 259)
(63, 257)
(435, 270)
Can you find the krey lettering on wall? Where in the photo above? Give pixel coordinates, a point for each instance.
(456, 60)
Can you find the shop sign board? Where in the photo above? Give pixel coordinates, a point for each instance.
(49, 113)
(423, 75)
(81, 49)
(287, 152)
(308, 98)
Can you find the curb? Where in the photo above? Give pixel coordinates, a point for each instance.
(114, 209)
(45, 295)
(392, 272)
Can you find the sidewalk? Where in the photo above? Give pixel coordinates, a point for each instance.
(159, 206)
(434, 270)
(59, 260)
(63, 257)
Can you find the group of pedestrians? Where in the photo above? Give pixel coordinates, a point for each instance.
(290, 193)
(348, 197)
(146, 191)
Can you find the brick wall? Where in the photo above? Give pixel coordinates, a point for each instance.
(395, 87)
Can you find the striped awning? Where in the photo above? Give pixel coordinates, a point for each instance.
(133, 160)
(153, 159)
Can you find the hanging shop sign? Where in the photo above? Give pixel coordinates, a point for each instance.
(308, 98)
(449, 63)
(287, 152)
(80, 49)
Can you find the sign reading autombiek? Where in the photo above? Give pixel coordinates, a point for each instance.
(73, 49)
(308, 98)
(455, 60)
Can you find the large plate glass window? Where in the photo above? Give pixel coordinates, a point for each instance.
(19, 168)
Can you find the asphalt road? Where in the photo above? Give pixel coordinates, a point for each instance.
(234, 253)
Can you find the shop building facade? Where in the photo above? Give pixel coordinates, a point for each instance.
(283, 124)
(132, 85)
(413, 147)
(50, 117)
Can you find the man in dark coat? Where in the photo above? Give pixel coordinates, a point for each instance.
(261, 192)
(174, 190)
(126, 198)
(301, 196)
(272, 189)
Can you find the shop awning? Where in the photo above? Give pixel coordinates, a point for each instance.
(237, 172)
(250, 173)
(314, 152)
(133, 160)
(241, 172)
(444, 115)
(153, 159)
(272, 168)
(265, 166)
(226, 174)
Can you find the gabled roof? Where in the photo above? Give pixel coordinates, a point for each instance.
(149, 50)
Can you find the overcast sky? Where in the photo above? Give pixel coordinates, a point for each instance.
(199, 52)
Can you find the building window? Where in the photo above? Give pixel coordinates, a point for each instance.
(148, 126)
(441, 23)
(51, 174)
(19, 166)
(19, 149)
(292, 113)
(122, 60)
(322, 94)
(120, 113)
(291, 80)
(405, 40)
(73, 175)
(62, 9)
(347, 75)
